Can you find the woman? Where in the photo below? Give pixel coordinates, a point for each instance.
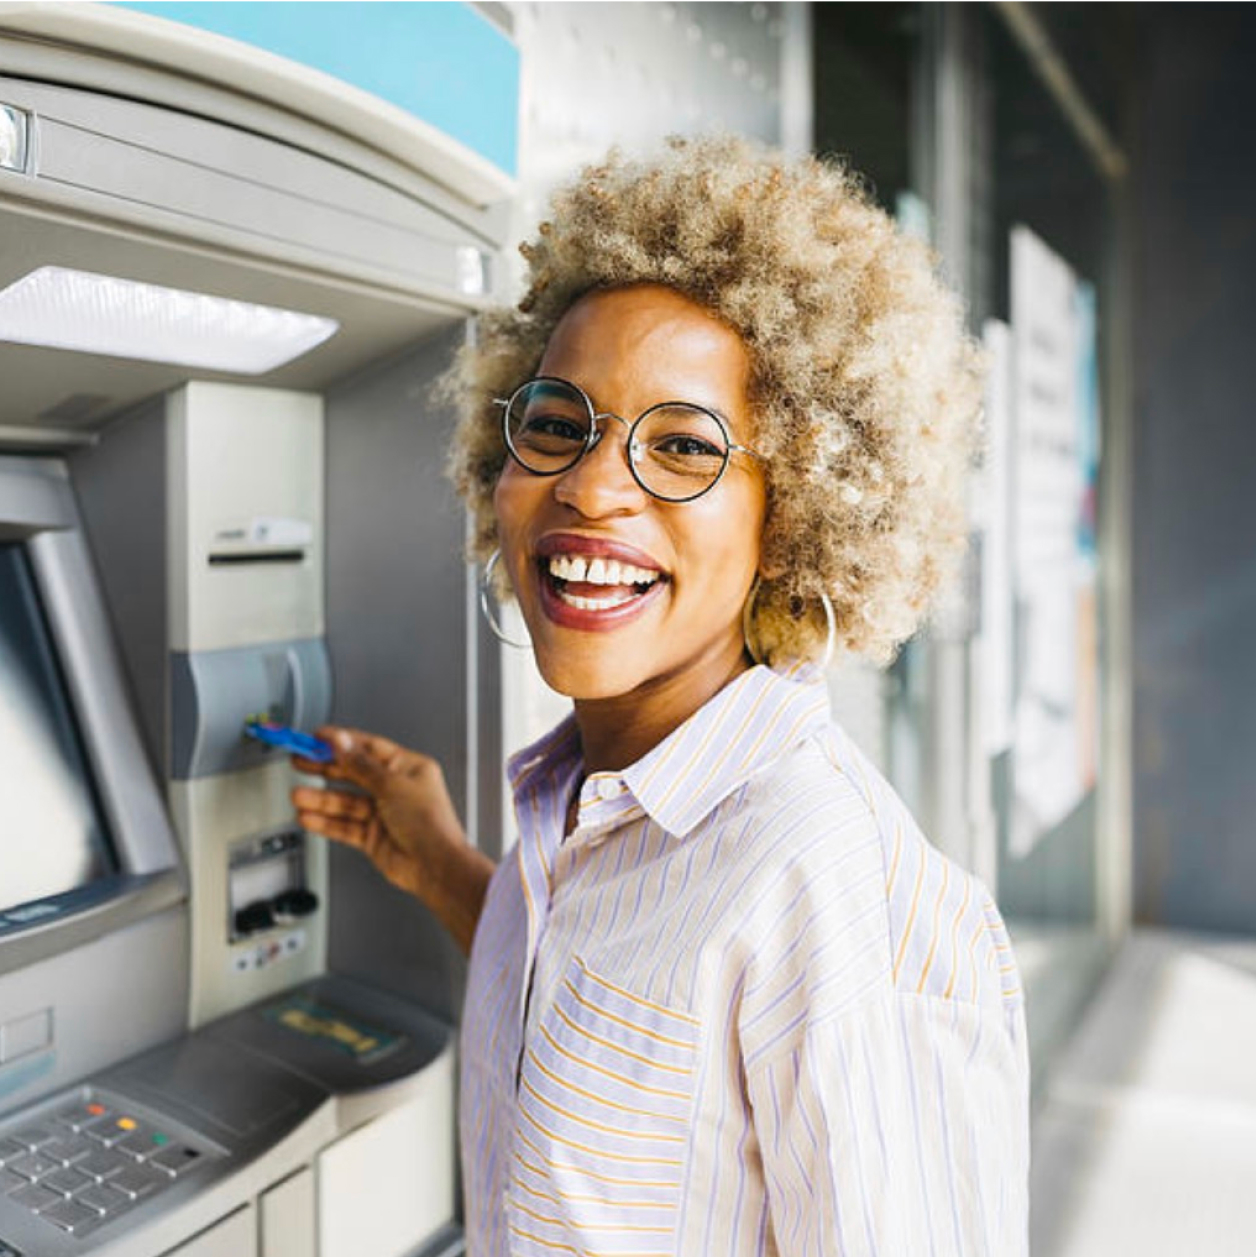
(724, 998)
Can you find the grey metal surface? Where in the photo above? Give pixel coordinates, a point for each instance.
(36, 501)
(64, 964)
(81, 632)
(120, 484)
(229, 1104)
(397, 631)
(214, 692)
(410, 1039)
(121, 183)
(116, 995)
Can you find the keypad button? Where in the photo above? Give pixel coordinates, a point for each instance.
(10, 1182)
(175, 1158)
(66, 1181)
(108, 1130)
(138, 1180)
(103, 1198)
(35, 1197)
(76, 1116)
(32, 1166)
(71, 1216)
(33, 1136)
(142, 1142)
(10, 1148)
(103, 1162)
(69, 1148)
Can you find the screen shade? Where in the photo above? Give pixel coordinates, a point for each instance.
(52, 834)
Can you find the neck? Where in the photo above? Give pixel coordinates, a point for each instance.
(616, 732)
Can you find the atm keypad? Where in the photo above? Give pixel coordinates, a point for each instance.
(88, 1163)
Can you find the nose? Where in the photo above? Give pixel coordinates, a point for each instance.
(601, 483)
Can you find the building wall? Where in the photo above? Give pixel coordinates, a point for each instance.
(1194, 208)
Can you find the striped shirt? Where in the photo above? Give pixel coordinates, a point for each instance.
(742, 1008)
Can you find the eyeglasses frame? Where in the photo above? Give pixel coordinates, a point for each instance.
(594, 435)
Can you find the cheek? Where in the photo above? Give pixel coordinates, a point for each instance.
(729, 540)
(510, 504)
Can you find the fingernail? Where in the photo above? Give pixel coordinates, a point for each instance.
(344, 741)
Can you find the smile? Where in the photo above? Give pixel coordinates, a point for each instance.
(615, 583)
(595, 591)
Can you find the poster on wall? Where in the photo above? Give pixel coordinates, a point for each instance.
(992, 516)
(1055, 463)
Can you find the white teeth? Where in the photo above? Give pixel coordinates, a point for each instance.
(599, 571)
(597, 604)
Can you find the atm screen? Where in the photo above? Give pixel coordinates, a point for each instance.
(52, 833)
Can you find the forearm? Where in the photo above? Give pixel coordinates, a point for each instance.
(453, 888)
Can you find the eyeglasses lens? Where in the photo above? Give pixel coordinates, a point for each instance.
(678, 451)
(547, 426)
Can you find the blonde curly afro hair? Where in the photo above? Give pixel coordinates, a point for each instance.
(864, 387)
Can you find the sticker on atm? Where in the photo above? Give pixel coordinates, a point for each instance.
(335, 1028)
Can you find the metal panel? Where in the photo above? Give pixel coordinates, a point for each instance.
(398, 635)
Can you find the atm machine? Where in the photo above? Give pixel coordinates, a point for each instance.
(227, 283)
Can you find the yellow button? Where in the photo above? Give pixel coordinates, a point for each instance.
(127, 1123)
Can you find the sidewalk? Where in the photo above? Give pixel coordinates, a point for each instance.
(1146, 1142)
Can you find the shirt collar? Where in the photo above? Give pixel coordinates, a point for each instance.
(749, 724)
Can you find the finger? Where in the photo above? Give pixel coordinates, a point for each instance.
(364, 759)
(352, 833)
(332, 803)
(345, 736)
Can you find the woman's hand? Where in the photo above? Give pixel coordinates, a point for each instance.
(403, 820)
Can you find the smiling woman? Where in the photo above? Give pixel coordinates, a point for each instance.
(724, 997)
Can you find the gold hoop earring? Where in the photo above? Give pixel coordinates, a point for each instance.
(486, 605)
(747, 626)
(747, 621)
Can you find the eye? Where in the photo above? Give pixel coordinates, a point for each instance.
(549, 426)
(686, 445)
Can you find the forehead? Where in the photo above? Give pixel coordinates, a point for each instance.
(630, 348)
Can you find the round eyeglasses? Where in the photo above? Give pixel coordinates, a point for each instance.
(677, 451)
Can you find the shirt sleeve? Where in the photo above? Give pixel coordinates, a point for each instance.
(896, 1130)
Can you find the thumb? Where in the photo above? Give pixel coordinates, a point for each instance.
(354, 762)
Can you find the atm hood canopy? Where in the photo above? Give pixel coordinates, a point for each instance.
(135, 172)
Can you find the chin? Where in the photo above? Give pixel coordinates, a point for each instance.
(588, 678)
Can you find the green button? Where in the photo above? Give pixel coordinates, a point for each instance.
(160, 1139)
